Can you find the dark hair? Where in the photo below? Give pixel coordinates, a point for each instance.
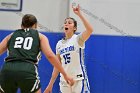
(28, 20)
(74, 21)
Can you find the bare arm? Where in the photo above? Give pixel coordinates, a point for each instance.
(54, 74)
(86, 34)
(53, 78)
(3, 44)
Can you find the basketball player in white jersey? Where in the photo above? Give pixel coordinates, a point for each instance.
(69, 51)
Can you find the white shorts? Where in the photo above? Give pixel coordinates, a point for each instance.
(80, 86)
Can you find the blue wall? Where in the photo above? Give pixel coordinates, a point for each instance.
(113, 63)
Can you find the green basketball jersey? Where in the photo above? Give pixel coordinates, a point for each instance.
(24, 45)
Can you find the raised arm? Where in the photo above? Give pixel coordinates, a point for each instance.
(3, 44)
(45, 47)
(86, 34)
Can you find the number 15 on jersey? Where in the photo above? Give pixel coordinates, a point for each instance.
(67, 58)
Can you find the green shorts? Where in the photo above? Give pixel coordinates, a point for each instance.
(21, 75)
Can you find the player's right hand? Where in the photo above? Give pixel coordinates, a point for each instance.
(76, 9)
(69, 80)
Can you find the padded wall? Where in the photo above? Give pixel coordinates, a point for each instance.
(113, 63)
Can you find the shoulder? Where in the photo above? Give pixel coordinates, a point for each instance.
(9, 36)
(19, 30)
(59, 42)
(34, 30)
(42, 36)
(75, 36)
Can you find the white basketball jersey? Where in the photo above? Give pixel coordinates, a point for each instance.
(72, 57)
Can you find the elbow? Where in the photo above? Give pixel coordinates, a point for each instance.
(50, 56)
(90, 30)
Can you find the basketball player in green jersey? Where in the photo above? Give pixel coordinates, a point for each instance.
(20, 69)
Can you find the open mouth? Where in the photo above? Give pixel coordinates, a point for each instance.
(66, 28)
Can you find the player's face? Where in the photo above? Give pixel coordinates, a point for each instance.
(69, 26)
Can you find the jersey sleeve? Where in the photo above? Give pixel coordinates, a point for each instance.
(80, 41)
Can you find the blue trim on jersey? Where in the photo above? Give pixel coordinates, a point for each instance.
(82, 91)
(88, 84)
(80, 53)
(84, 73)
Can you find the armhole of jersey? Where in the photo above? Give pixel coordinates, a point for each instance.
(38, 38)
(10, 38)
(80, 41)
